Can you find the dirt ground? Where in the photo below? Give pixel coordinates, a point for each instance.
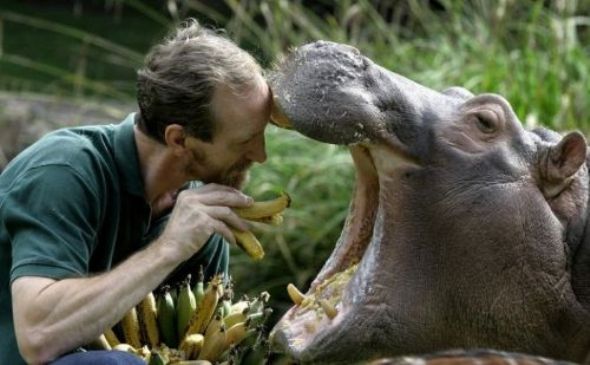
(24, 118)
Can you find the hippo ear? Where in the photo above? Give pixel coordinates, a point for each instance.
(565, 158)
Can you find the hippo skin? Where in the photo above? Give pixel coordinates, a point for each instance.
(468, 231)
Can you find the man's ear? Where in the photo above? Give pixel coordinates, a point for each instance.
(562, 160)
(175, 138)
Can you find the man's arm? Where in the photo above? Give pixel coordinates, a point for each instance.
(52, 317)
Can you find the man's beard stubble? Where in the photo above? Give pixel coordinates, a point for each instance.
(236, 176)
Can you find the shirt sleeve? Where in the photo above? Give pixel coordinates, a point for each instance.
(51, 216)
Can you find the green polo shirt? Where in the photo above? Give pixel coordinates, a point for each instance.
(72, 204)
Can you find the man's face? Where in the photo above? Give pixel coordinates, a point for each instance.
(238, 139)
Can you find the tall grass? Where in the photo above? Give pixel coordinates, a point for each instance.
(535, 53)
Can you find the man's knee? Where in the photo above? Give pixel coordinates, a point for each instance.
(99, 358)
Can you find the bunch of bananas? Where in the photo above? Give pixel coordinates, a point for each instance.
(190, 326)
(270, 212)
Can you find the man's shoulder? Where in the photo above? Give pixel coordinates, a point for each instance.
(85, 150)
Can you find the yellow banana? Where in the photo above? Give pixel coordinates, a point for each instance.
(100, 343)
(236, 317)
(214, 345)
(130, 326)
(265, 208)
(186, 308)
(236, 334)
(147, 313)
(111, 337)
(191, 345)
(249, 243)
(215, 324)
(275, 219)
(296, 296)
(202, 316)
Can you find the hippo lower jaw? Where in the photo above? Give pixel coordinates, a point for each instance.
(310, 332)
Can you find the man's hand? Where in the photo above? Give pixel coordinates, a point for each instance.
(198, 214)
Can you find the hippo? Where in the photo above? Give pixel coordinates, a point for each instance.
(465, 230)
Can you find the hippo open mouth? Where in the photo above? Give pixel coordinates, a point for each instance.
(415, 270)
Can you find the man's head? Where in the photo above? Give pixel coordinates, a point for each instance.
(199, 93)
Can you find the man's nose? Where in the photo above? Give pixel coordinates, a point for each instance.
(257, 152)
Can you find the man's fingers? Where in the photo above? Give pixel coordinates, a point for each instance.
(228, 216)
(223, 230)
(233, 198)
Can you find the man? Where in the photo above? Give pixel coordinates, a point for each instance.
(77, 206)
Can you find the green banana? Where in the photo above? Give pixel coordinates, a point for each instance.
(199, 288)
(186, 306)
(167, 321)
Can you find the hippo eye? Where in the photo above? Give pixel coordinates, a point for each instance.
(486, 122)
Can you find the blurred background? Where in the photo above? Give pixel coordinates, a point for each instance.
(66, 62)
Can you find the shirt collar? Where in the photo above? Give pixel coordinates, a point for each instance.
(126, 157)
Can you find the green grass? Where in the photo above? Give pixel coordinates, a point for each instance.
(534, 53)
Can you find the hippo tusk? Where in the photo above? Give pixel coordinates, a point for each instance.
(328, 308)
(296, 296)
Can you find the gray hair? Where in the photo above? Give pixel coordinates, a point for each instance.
(179, 77)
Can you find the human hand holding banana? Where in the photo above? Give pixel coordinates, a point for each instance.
(197, 214)
(269, 212)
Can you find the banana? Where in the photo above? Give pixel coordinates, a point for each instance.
(100, 343)
(265, 208)
(275, 219)
(215, 324)
(111, 337)
(202, 316)
(296, 296)
(130, 326)
(186, 308)
(237, 333)
(191, 345)
(249, 243)
(167, 321)
(331, 312)
(236, 317)
(214, 345)
(147, 313)
(199, 289)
